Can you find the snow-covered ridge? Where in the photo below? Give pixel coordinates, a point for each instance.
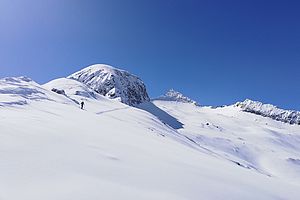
(16, 79)
(71, 87)
(113, 83)
(173, 95)
(20, 91)
(268, 110)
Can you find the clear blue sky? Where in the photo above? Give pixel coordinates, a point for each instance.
(216, 52)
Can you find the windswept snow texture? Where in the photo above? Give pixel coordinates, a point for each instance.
(173, 95)
(16, 91)
(268, 110)
(113, 83)
(251, 141)
(51, 149)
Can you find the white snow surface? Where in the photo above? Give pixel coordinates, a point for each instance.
(51, 149)
(113, 83)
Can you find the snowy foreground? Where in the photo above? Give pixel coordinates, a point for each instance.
(51, 149)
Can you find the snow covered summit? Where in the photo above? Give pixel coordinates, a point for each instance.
(173, 95)
(268, 110)
(113, 83)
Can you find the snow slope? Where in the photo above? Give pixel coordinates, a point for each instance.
(113, 83)
(51, 149)
(253, 142)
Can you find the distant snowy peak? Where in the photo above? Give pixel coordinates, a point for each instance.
(113, 83)
(173, 95)
(268, 110)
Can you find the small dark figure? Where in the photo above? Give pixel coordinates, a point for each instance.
(82, 104)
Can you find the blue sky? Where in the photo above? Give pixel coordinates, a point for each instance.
(216, 52)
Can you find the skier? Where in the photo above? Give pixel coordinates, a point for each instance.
(82, 104)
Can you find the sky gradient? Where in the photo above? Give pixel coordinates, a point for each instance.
(216, 52)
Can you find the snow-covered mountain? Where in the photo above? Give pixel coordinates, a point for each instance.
(164, 149)
(173, 95)
(113, 83)
(268, 110)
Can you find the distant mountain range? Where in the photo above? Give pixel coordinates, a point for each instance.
(268, 110)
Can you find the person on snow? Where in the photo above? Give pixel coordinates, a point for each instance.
(82, 104)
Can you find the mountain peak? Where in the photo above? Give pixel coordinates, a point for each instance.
(269, 110)
(113, 83)
(102, 67)
(173, 95)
